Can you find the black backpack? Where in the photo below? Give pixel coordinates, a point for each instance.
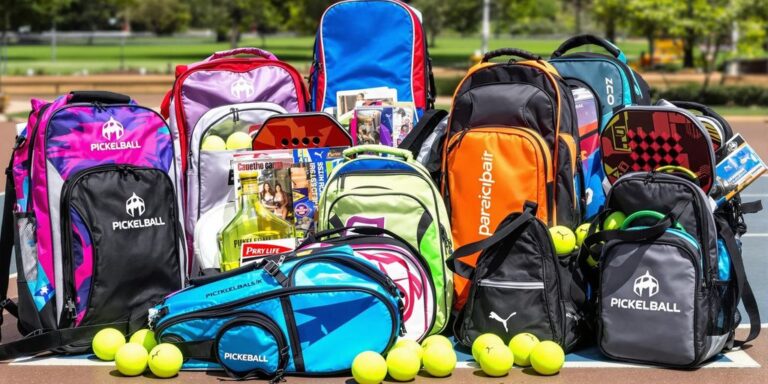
(518, 285)
(667, 285)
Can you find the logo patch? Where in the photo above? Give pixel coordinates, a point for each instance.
(241, 89)
(135, 208)
(134, 205)
(494, 316)
(486, 188)
(112, 128)
(646, 283)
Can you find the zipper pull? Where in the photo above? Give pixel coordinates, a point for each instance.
(71, 310)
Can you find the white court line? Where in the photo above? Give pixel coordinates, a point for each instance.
(755, 235)
(738, 359)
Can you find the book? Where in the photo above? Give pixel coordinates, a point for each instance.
(740, 167)
(404, 117)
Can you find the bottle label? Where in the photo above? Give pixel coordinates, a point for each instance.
(252, 251)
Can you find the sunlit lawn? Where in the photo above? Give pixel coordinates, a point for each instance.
(160, 55)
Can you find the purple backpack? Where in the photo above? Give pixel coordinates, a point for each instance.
(92, 199)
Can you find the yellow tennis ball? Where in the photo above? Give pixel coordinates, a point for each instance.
(436, 339)
(439, 360)
(214, 143)
(614, 220)
(563, 239)
(239, 140)
(369, 368)
(581, 233)
(403, 364)
(144, 337)
(496, 360)
(483, 341)
(106, 343)
(131, 359)
(547, 358)
(165, 360)
(410, 344)
(521, 346)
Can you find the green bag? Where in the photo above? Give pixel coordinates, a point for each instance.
(384, 187)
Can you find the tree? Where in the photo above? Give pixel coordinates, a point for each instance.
(432, 18)
(229, 18)
(162, 17)
(51, 10)
(609, 12)
(653, 18)
(463, 16)
(529, 16)
(304, 15)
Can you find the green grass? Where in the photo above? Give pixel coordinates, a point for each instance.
(160, 55)
(741, 111)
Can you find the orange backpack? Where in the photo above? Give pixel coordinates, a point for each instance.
(512, 138)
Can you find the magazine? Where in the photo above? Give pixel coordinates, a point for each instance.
(403, 120)
(738, 169)
(299, 173)
(347, 101)
(372, 125)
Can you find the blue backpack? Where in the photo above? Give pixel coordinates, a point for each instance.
(613, 85)
(371, 43)
(294, 313)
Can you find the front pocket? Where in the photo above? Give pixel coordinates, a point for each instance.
(490, 173)
(648, 297)
(121, 240)
(507, 308)
(251, 344)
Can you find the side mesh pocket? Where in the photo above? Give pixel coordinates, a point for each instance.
(34, 289)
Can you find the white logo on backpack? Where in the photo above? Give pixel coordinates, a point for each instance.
(112, 127)
(646, 283)
(501, 320)
(241, 89)
(135, 206)
(113, 130)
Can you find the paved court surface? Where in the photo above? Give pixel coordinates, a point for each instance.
(745, 366)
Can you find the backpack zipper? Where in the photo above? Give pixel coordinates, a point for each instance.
(511, 284)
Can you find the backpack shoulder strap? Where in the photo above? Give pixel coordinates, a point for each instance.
(502, 232)
(6, 245)
(744, 290)
(43, 341)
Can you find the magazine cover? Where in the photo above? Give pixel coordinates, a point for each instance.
(373, 125)
(739, 168)
(347, 101)
(299, 173)
(403, 120)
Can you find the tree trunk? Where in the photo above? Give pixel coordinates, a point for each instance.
(234, 34)
(651, 48)
(688, 44)
(690, 38)
(610, 29)
(53, 39)
(577, 13)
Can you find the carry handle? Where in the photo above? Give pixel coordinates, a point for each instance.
(242, 51)
(627, 224)
(679, 169)
(587, 39)
(703, 109)
(104, 97)
(510, 52)
(361, 230)
(350, 153)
